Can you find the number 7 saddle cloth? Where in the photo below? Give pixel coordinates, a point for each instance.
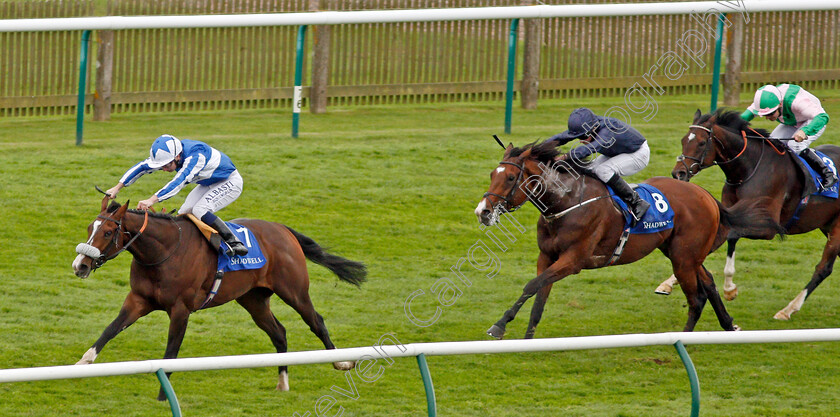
(253, 260)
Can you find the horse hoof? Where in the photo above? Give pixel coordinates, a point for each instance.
(283, 381)
(736, 328)
(344, 366)
(496, 332)
(88, 357)
(663, 290)
(730, 295)
(781, 315)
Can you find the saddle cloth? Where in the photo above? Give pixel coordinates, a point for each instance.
(817, 178)
(659, 217)
(253, 260)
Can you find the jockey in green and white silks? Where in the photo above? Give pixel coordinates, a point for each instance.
(801, 117)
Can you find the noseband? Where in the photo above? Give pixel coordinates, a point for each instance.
(99, 258)
(699, 161)
(509, 198)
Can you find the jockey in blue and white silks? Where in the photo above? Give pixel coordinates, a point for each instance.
(219, 182)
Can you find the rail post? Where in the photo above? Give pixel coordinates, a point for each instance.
(511, 72)
(170, 393)
(80, 107)
(297, 97)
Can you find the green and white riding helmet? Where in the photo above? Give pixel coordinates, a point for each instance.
(767, 100)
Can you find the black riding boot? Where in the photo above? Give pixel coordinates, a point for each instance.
(811, 157)
(638, 207)
(236, 247)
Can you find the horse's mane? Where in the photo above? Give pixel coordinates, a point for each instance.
(545, 152)
(732, 119)
(161, 215)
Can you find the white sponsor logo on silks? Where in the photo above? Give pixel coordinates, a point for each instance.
(243, 261)
(652, 225)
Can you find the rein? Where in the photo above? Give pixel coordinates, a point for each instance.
(699, 161)
(100, 258)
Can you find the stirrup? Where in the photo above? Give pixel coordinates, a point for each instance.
(235, 249)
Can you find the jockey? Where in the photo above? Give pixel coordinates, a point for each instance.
(800, 115)
(623, 151)
(219, 182)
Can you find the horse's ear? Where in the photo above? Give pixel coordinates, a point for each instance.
(508, 149)
(697, 115)
(104, 203)
(121, 211)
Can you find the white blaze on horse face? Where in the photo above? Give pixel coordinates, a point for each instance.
(691, 136)
(481, 207)
(500, 169)
(78, 261)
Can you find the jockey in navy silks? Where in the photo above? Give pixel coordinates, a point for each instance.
(623, 151)
(219, 182)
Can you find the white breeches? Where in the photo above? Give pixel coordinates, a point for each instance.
(785, 131)
(214, 197)
(624, 164)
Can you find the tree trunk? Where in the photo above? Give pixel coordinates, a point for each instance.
(104, 74)
(529, 90)
(734, 55)
(320, 64)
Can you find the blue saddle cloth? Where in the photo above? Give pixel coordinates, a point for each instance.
(253, 260)
(817, 178)
(659, 217)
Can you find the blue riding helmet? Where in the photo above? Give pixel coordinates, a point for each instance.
(163, 151)
(581, 123)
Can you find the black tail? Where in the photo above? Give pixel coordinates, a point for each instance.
(347, 270)
(748, 219)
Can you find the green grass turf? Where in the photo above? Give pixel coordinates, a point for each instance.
(394, 187)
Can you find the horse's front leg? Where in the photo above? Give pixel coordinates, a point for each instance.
(567, 264)
(133, 308)
(179, 316)
(543, 262)
(730, 290)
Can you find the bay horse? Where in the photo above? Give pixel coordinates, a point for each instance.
(580, 228)
(174, 268)
(762, 171)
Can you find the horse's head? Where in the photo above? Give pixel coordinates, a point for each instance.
(517, 179)
(698, 148)
(106, 239)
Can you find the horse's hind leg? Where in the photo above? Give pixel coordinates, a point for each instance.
(708, 283)
(821, 272)
(301, 302)
(694, 294)
(257, 303)
(132, 309)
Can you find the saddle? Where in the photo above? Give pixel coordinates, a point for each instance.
(810, 187)
(208, 232)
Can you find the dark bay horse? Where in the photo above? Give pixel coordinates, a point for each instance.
(174, 267)
(763, 172)
(580, 228)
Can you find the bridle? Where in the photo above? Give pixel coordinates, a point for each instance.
(699, 161)
(509, 198)
(100, 257)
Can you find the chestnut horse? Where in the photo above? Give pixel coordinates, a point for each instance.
(580, 228)
(174, 268)
(761, 171)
